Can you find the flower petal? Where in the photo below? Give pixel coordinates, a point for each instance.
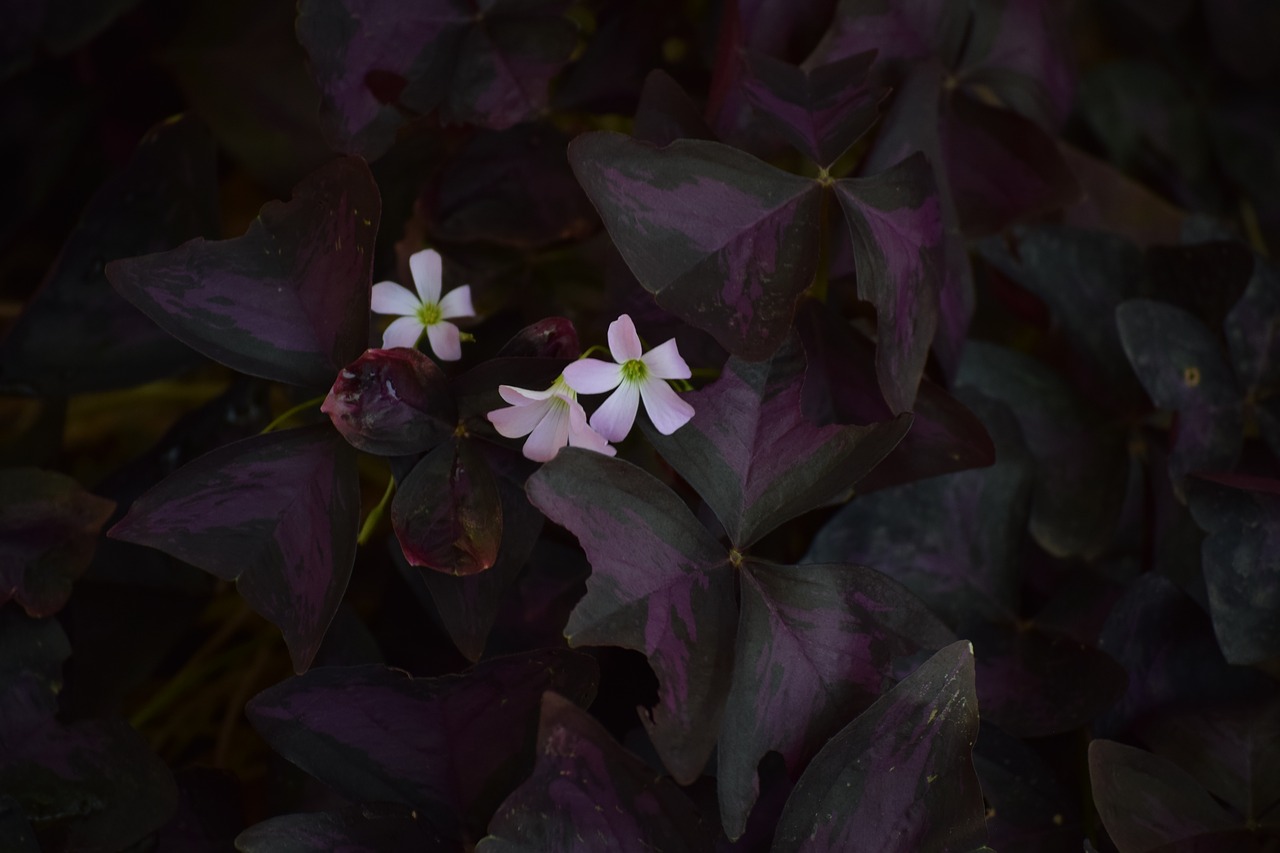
(615, 416)
(551, 434)
(445, 341)
(624, 343)
(457, 303)
(522, 396)
(402, 333)
(515, 421)
(390, 298)
(592, 376)
(425, 266)
(664, 362)
(582, 435)
(665, 407)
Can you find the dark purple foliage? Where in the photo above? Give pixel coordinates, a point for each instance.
(392, 402)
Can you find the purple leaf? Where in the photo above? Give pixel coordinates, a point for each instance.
(450, 747)
(392, 402)
(815, 645)
(289, 300)
(1232, 750)
(724, 241)
(1183, 370)
(380, 828)
(77, 334)
(588, 794)
(952, 540)
(896, 31)
(511, 188)
(840, 386)
(49, 529)
(1241, 563)
(667, 113)
(375, 63)
(1147, 802)
(1081, 456)
(822, 111)
(752, 456)
(551, 337)
(660, 584)
(447, 514)
(900, 777)
(895, 223)
(277, 513)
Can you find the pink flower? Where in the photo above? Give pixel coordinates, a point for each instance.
(637, 375)
(551, 418)
(424, 311)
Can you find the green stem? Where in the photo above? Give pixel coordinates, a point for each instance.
(593, 348)
(374, 518)
(188, 678)
(296, 410)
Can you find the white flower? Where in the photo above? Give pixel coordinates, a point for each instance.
(637, 375)
(551, 418)
(425, 311)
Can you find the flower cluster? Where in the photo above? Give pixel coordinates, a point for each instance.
(554, 417)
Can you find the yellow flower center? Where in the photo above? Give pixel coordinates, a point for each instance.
(634, 370)
(429, 314)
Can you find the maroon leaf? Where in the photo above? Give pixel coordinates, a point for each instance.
(588, 794)
(451, 746)
(77, 334)
(900, 777)
(392, 402)
(49, 529)
(752, 456)
(660, 584)
(551, 337)
(287, 301)
(895, 222)
(815, 645)
(374, 63)
(821, 111)
(667, 113)
(724, 241)
(277, 513)
(1147, 802)
(896, 31)
(447, 514)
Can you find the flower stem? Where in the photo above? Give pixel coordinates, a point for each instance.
(296, 410)
(374, 518)
(591, 349)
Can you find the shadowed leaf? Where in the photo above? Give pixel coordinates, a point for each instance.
(287, 301)
(380, 828)
(392, 402)
(277, 513)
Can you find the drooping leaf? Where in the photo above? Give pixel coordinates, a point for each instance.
(899, 777)
(287, 301)
(380, 828)
(840, 386)
(587, 793)
(49, 529)
(450, 747)
(895, 222)
(78, 335)
(447, 514)
(660, 584)
(815, 645)
(1081, 455)
(277, 513)
(1241, 563)
(724, 241)
(1183, 370)
(1149, 803)
(376, 65)
(952, 540)
(392, 402)
(820, 111)
(752, 456)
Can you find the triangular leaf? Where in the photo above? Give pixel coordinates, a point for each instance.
(900, 777)
(589, 794)
(277, 513)
(287, 301)
(724, 241)
(816, 644)
(895, 222)
(450, 746)
(752, 456)
(660, 584)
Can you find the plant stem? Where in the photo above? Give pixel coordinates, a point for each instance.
(298, 409)
(375, 515)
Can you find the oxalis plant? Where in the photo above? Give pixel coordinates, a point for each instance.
(678, 426)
